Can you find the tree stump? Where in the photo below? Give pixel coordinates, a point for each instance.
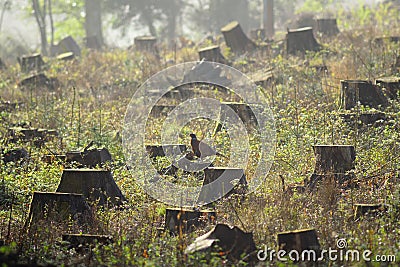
(66, 56)
(232, 181)
(236, 39)
(361, 210)
(300, 41)
(39, 81)
(299, 240)
(31, 63)
(66, 45)
(326, 27)
(59, 207)
(363, 92)
(89, 157)
(380, 41)
(146, 44)
(225, 240)
(334, 159)
(390, 86)
(187, 220)
(51, 159)
(213, 54)
(158, 150)
(96, 185)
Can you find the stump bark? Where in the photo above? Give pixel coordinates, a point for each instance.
(213, 54)
(236, 39)
(187, 220)
(299, 240)
(158, 150)
(390, 86)
(31, 63)
(334, 159)
(147, 44)
(326, 27)
(363, 92)
(300, 41)
(361, 210)
(59, 207)
(222, 182)
(93, 42)
(96, 185)
(225, 240)
(66, 45)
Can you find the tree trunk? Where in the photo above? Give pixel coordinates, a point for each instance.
(93, 23)
(40, 16)
(268, 18)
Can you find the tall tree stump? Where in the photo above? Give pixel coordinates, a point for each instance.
(159, 150)
(146, 44)
(59, 207)
(363, 92)
(236, 39)
(390, 86)
(213, 54)
(187, 220)
(300, 41)
(222, 182)
(299, 240)
(326, 27)
(31, 63)
(96, 185)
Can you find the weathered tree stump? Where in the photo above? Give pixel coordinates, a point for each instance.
(334, 159)
(244, 112)
(300, 41)
(66, 45)
(213, 54)
(31, 63)
(158, 150)
(262, 77)
(84, 240)
(223, 182)
(227, 241)
(326, 27)
(39, 81)
(300, 240)
(236, 39)
(187, 220)
(15, 155)
(96, 185)
(89, 157)
(146, 44)
(390, 86)
(363, 92)
(361, 210)
(59, 207)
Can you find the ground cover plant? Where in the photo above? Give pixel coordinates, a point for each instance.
(90, 103)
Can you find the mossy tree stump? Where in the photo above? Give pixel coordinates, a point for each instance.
(300, 41)
(213, 54)
(187, 220)
(390, 85)
(31, 63)
(299, 240)
(326, 27)
(236, 39)
(96, 185)
(363, 92)
(222, 182)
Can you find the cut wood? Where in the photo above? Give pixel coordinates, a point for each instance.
(354, 92)
(236, 39)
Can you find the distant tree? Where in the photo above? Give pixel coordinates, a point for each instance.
(40, 9)
(93, 21)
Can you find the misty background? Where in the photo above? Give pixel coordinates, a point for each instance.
(168, 20)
